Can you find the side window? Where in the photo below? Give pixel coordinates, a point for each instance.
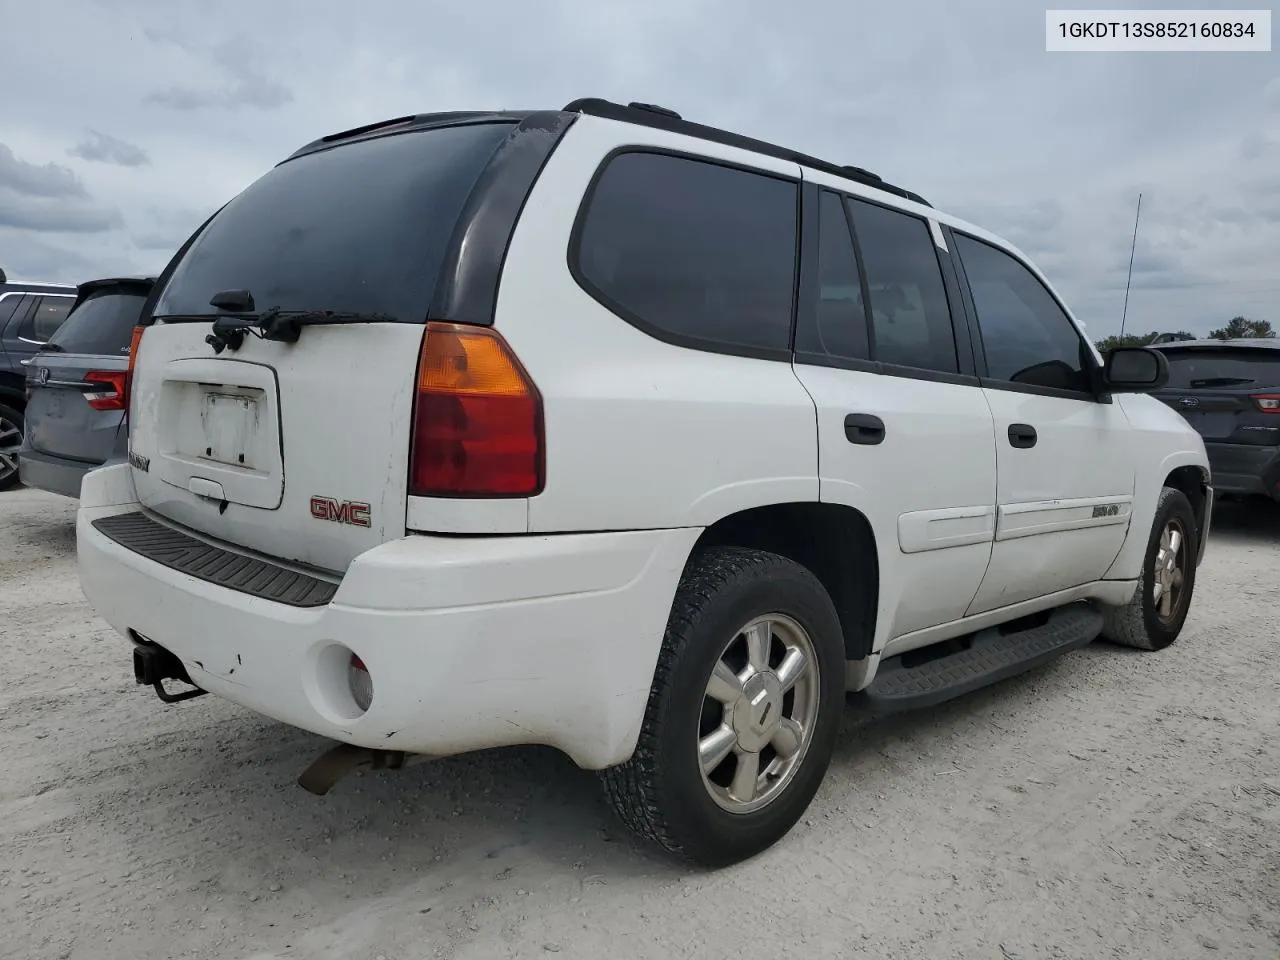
(910, 316)
(7, 306)
(692, 249)
(20, 305)
(839, 325)
(43, 322)
(1025, 334)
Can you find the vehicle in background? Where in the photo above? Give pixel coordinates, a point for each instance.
(30, 313)
(1229, 390)
(1172, 338)
(76, 400)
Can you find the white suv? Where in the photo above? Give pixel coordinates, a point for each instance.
(601, 429)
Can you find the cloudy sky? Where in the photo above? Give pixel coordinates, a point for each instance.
(123, 123)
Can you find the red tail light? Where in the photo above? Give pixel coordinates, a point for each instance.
(1267, 402)
(134, 343)
(477, 419)
(111, 393)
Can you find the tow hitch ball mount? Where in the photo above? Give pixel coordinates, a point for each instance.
(153, 664)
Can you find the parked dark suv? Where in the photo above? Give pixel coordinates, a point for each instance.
(30, 313)
(1229, 390)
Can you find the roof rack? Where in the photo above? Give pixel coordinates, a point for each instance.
(662, 118)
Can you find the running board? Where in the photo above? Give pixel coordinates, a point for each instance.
(977, 661)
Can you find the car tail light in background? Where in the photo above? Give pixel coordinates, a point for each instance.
(477, 418)
(1267, 402)
(359, 683)
(110, 389)
(134, 343)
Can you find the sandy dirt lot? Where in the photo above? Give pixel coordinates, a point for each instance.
(1114, 804)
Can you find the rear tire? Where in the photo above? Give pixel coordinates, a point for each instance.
(1154, 617)
(743, 712)
(11, 424)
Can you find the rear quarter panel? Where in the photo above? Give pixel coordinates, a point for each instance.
(641, 434)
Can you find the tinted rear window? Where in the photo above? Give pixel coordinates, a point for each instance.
(362, 227)
(102, 325)
(693, 250)
(1209, 369)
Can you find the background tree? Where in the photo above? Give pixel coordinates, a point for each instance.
(1240, 327)
(1132, 340)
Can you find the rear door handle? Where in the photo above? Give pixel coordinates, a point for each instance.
(864, 428)
(1022, 435)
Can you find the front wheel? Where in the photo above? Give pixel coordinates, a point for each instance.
(743, 713)
(10, 442)
(1154, 617)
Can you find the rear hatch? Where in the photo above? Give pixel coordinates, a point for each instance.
(299, 450)
(75, 383)
(1228, 391)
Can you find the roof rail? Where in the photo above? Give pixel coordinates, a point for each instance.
(662, 118)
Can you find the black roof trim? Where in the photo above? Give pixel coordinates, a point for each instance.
(661, 118)
(415, 121)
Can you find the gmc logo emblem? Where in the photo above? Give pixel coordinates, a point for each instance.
(344, 511)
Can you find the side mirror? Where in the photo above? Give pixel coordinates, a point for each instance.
(1134, 370)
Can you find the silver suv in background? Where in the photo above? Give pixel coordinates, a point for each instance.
(76, 387)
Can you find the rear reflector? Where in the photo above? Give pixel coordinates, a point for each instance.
(1267, 402)
(111, 395)
(360, 683)
(477, 419)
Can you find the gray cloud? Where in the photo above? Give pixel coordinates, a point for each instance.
(33, 180)
(248, 91)
(159, 241)
(103, 148)
(49, 214)
(246, 85)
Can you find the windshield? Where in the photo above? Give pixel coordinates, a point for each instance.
(360, 228)
(102, 325)
(1223, 367)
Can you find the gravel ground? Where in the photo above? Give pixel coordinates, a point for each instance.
(1113, 804)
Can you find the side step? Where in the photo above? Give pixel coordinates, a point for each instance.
(986, 657)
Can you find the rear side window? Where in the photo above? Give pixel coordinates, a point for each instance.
(1026, 336)
(7, 306)
(362, 227)
(1191, 369)
(43, 322)
(839, 327)
(102, 325)
(690, 250)
(910, 316)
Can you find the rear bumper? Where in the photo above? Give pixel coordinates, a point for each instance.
(54, 474)
(1241, 468)
(471, 643)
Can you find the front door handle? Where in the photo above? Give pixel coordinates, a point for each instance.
(1022, 435)
(864, 428)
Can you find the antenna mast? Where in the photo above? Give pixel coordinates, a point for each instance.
(1129, 279)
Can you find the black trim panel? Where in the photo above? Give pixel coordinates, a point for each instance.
(178, 551)
(467, 287)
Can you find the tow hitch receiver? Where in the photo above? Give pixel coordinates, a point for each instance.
(153, 664)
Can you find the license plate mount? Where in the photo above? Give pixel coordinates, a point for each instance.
(230, 422)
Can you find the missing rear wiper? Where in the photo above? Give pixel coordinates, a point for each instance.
(283, 326)
(1219, 381)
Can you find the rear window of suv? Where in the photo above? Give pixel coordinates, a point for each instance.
(361, 227)
(103, 324)
(1216, 367)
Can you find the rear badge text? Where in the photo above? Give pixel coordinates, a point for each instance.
(340, 511)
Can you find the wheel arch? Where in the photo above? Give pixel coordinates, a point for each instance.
(833, 541)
